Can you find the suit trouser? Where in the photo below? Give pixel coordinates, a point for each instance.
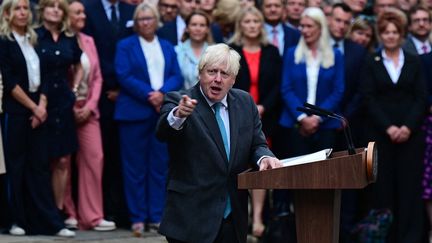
(145, 166)
(89, 160)
(31, 198)
(112, 181)
(398, 186)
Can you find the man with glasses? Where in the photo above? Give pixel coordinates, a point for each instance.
(419, 27)
(173, 31)
(168, 10)
(213, 134)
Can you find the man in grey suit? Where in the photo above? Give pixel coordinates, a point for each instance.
(213, 133)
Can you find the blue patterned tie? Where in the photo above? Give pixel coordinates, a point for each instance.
(223, 132)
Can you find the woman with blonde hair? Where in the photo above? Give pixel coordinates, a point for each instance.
(89, 157)
(59, 53)
(224, 16)
(147, 68)
(260, 73)
(313, 72)
(30, 197)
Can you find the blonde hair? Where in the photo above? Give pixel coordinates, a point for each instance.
(226, 11)
(6, 17)
(302, 52)
(64, 6)
(144, 6)
(237, 37)
(220, 54)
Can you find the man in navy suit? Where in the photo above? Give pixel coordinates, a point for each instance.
(213, 134)
(354, 56)
(173, 31)
(278, 33)
(108, 21)
(420, 26)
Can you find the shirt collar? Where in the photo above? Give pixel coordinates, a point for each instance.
(386, 58)
(419, 43)
(20, 38)
(145, 42)
(107, 5)
(269, 28)
(211, 103)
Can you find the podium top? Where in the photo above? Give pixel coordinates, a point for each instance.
(339, 171)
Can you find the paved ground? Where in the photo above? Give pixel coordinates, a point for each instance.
(117, 236)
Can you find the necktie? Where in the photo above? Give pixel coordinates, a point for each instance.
(424, 49)
(222, 130)
(114, 19)
(336, 45)
(275, 40)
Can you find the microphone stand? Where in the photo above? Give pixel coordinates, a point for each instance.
(315, 110)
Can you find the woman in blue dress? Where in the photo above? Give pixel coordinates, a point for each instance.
(60, 56)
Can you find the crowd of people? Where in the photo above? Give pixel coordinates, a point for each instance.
(84, 82)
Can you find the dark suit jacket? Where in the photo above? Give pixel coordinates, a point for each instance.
(99, 27)
(291, 37)
(131, 66)
(200, 176)
(409, 46)
(169, 32)
(427, 70)
(14, 71)
(269, 77)
(354, 57)
(397, 104)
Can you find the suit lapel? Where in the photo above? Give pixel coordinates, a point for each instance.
(140, 56)
(206, 114)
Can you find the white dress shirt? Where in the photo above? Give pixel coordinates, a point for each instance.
(155, 61)
(32, 61)
(393, 71)
(312, 72)
(107, 7)
(181, 26)
(280, 35)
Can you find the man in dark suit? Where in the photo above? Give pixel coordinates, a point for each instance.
(108, 21)
(278, 33)
(173, 30)
(419, 27)
(354, 56)
(213, 133)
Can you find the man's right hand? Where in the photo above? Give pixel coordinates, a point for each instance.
(185, 107)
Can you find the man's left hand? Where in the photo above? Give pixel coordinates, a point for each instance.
(270, 163)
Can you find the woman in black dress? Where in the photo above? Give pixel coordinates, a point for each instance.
(31, 200)
(59, 53)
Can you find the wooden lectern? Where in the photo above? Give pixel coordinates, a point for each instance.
(317, 188)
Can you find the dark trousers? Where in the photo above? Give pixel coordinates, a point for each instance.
(30, 196)
(398, 186)
(112, 182)
(226, 233)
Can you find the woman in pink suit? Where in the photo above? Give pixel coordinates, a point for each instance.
(89, 157)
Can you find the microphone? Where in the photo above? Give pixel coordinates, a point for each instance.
(316, 110)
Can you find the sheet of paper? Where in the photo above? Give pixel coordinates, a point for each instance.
(307, 158)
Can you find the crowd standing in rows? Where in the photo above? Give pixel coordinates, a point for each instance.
(84, 82)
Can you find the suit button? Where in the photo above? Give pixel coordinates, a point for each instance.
(55, 85)
(57, 52)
